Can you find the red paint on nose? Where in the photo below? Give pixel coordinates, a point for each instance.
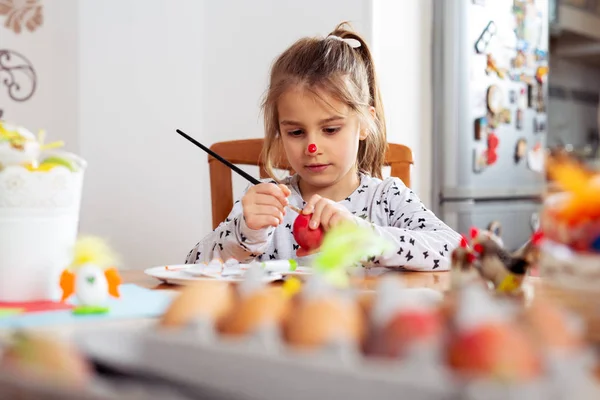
(312, 148)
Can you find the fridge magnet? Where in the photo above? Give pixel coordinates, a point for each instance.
(519, 60)
(494, 99)
(541, 55)
(522, 99)
(539, 125)
(479, 158)
(505, 116)
(541, 74)
(519, 118)
(541, 101)
(492, 141)
(520, 150)
(532, 96)
(491, 156)
(492, 67)
(522, 77)
(480, 128)
(512, 96)
(486, 36)
(492, 149)
(535, 158)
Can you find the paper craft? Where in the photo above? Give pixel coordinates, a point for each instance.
(6, 312)
(35, 306)
(135, 302)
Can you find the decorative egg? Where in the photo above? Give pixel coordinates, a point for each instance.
(316, 322)
(495, 350)
(211, 300)
(553, 328)
(268, 306)
(44, 358)
(91, 285)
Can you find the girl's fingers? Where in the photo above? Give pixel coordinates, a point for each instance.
(286, 191)
(260, 221)
(310, 205)
(336, 219)
(315, 220)
(329, 211)
(268, 200)
(272, 211)
(272, 190)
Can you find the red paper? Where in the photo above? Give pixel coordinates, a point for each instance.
(37, 306)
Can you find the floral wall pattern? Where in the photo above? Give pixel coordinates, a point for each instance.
(17, 74)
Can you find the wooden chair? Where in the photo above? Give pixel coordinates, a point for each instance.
(247, 152)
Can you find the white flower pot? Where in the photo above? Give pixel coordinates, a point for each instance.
(39, 219)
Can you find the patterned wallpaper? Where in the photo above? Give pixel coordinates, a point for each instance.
(17, 74)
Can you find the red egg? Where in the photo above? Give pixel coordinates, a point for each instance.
(404, 330)
(494, 350)
(307, 238)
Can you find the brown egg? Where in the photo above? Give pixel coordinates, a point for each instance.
(266, 306)
(317, 322)
(366, 300)
(203, 299)
(48, 359)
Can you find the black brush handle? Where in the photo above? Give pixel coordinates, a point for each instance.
(218, 157)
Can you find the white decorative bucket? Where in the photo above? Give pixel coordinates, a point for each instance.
(39, 220)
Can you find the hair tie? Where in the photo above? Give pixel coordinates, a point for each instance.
(351, 42)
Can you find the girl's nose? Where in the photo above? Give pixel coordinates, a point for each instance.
(312, 149)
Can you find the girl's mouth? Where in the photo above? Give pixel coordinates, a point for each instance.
(317, 167)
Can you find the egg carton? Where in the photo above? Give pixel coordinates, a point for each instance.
(116, 386)
(262, 366)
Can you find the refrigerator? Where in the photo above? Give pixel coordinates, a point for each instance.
(490, 67)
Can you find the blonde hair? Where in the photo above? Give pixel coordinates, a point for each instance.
(345, 72)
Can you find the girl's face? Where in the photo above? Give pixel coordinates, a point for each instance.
(305, 119)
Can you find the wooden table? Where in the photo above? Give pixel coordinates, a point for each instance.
(434, 280)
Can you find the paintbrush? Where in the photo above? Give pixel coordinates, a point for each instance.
(242, 173)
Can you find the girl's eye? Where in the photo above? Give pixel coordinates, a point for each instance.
(296, 132)
(331, 131)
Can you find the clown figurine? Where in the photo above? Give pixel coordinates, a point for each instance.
(92, 276)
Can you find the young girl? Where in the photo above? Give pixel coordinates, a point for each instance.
(323, 110)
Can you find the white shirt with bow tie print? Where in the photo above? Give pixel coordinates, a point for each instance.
(422, 242)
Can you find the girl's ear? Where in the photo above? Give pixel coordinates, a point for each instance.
(364, 133)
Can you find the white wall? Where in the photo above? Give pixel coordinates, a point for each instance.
(402, 32)
(148, 67)
(139, 69)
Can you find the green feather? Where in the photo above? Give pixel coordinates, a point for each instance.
(347, 245)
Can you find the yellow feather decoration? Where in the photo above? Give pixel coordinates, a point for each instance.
(93, 250)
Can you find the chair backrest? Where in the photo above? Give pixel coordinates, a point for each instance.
(248, 152)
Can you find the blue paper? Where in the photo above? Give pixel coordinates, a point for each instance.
(135, 302)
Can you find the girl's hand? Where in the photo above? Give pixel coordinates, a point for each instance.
(264, 205)
(326, 213)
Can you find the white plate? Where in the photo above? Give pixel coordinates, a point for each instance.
(176, 274)
(184, 273)
(199, 270)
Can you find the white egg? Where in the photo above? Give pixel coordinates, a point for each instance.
(91, 286)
